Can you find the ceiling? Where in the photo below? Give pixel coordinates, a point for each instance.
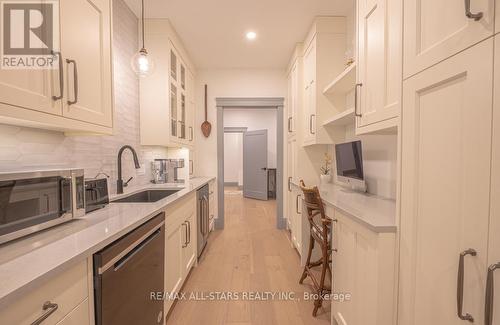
(213, 31)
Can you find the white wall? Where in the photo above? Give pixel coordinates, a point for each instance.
(229, 83)
(26, 148)
(256, 119)
(379, 162)
(233, 158)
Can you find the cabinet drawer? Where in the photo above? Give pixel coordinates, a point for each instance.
(176, 212)
(67, 289)
(78, 316)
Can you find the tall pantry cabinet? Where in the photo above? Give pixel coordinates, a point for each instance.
(293, 108)
(450, 159)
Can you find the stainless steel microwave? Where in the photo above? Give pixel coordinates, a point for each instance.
(32, 201)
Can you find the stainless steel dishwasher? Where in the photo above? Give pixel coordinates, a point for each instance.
(127, 272)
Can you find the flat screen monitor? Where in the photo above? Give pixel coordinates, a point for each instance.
(349, 157)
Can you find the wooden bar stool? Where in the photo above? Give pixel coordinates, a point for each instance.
(320, 229)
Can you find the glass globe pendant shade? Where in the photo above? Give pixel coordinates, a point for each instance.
(142, 64)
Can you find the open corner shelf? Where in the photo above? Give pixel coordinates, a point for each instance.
(343, 83)
(344, 118)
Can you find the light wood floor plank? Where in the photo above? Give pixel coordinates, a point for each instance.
(250, 255)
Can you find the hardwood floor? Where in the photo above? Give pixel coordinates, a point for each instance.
(249, 255)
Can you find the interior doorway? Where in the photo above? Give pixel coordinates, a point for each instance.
(233, 157)
(250, 155)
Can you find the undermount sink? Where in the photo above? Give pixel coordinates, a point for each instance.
(148, 196)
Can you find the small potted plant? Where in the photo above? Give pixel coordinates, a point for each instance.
(326, 176)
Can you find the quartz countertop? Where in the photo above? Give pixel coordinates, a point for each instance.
(26, 260)
(376, 213)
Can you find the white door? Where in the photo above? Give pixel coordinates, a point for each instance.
(86, 47)
(379, 60)
(255, 164)
(494, 247)
(435, 30)
(445, 188)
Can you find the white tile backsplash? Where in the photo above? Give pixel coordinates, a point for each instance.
(28, 148)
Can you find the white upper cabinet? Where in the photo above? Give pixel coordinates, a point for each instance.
(86, 44)
(191, 109)
(446, 140)
(167, 95)
(77, 96)
(294, 94)
(30, 89)
(379, 78)
(323, 60)
(435, 30)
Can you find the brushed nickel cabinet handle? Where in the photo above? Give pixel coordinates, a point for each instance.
(289, 125)
(356, 100)
(189, 231)
(49, 309)
(61, 76)
(184, 245)
(469, 14)
(311, 123)
(75, 81)
(297, 205)
(460, 285)
(490, 294)
(289, 184)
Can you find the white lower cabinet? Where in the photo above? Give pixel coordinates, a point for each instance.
(189, 252)
(173, 262)
(295, 215)
(445, 202)
(180, 245)
(363, 274)
(67, 289)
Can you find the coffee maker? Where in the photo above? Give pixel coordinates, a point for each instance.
(165, 171)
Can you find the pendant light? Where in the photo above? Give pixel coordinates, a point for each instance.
(142, 64)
